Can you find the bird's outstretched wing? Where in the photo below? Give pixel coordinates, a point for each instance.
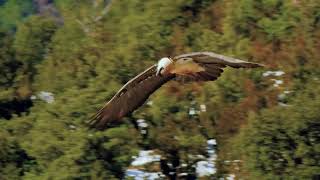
(205, 66)
(132, 95)
(198, 66)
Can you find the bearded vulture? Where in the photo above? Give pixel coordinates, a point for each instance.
(197, 66)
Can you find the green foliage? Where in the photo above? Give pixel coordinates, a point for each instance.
(32, 38)
(273, 19)
(31, 45)
(8, 78)
(14, 160)
(99, 47)
(12, 12)
(9, 66)
(284, 145)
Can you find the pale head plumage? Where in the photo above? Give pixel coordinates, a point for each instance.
(163, 63)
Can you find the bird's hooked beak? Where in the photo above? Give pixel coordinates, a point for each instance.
(158, 73)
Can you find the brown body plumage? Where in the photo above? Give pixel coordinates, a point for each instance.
(198, 66)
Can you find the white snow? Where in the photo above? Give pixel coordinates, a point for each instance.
(182, 174)
(142, 123)
(72, 127)
(145, 157)
(33, 97)
(150, 103)
(287, 92)
(231, 177)
(184, 165)
(143, 131)
(207, 167)
(273, 73)
(283, 94)
(192, 111)
(142, 175)
(140, 120)
(281, 98)
(46, 96)
(212, 142)
(277, 82)
(283, 104)
(278, 73)
(211, 151)
(203, 108)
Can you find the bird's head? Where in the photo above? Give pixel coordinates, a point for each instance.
(163, 63)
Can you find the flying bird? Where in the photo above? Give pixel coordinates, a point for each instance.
(196, 66)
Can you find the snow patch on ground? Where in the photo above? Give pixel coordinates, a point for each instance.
(203, 108)
(143, 126)
(145, 157)
(207, 167)
(142, 175)
(273, 73)
(192, 111)
(142, 123)
(277, 82)
(212, 142)
(231, 177)
(45, 96)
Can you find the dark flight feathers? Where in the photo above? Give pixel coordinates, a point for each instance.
(131, 96)
(135, 92)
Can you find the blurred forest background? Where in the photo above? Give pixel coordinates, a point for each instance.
(60, 60)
